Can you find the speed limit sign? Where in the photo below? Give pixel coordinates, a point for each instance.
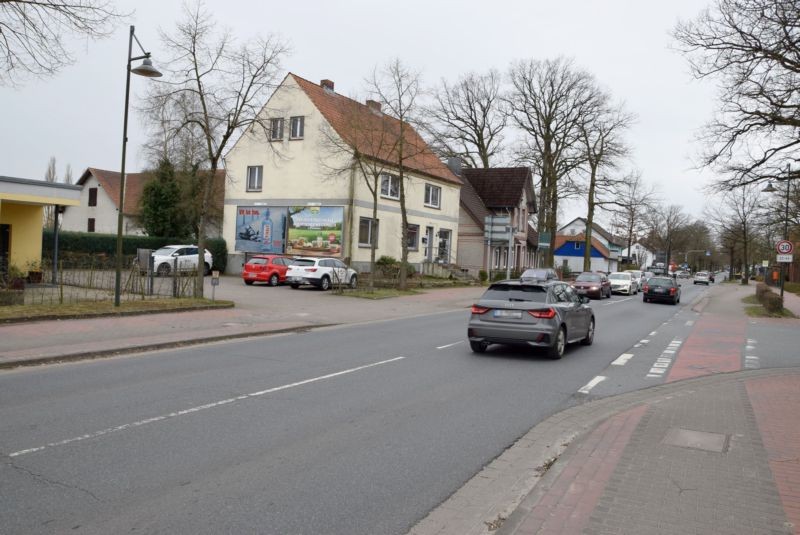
(784, 247)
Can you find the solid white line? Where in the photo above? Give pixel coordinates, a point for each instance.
(451, 345)
(622, 359)
(199, 408)
(591, 384)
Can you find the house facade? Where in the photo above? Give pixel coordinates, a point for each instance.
(489, 193)
(99, 202)
(570, 240)
(638, 255)
(22, 203)
(302, 186)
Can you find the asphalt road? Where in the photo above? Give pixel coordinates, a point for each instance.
(359, 430)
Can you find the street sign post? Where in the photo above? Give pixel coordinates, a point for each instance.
(784, 247)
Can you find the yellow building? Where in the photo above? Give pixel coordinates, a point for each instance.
(22, 203)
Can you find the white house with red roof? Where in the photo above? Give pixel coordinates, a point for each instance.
(295, 188)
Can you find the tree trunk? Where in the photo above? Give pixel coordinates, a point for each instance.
(208, 186)
(587, 252)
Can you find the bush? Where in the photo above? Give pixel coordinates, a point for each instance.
(483, 276)
(772, 303)
(761, 290)
(219, 250)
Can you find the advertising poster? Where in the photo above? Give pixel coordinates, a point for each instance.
(260, 229)
(315, 231)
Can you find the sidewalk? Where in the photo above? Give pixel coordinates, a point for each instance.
(715, 449)
(259, 310)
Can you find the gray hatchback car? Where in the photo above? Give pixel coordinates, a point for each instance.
(537, 314)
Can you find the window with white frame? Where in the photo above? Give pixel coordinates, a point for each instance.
(276, 129)
(413, 237)
(433, 196)
(390, 186)
(296, 127)
(367, 232)
(255, 175)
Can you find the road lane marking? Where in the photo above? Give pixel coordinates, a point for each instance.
(662, 363)
(653, 333)
(752, 362)
(622, 359)
(199, 408)
(617, 301)
(451, 345)
(690, 323)
(591, 384)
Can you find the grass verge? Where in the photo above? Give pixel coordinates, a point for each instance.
(378, 293)
(91, 309)
(755, 310)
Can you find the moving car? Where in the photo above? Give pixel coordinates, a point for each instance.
(591, 284)
(269, 268)
(164, 259)
(661, 289)
(321, 272)
(536, 314)
(624, 283)
(539, 274)
(702, 277)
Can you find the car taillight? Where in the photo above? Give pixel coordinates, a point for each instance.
(312, 270)
(672, 291)
(479, 310)
(544, 313)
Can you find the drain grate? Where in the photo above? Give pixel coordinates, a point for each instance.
(698, 440)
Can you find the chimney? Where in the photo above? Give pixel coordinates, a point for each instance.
(327, 84)
(455, 164)
(374, 105)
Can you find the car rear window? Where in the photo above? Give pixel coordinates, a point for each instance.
(620, 276)
(515, 292)
(659, 282)
(257, 261)
(303, 262)
(588, 277)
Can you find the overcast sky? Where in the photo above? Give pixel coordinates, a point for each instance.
(76, 116)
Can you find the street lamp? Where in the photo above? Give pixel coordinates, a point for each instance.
(771, 189)
(145, 69)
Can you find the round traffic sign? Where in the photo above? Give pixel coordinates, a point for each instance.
(785, 247)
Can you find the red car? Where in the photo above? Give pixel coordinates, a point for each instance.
(269, 268)
(594, 285)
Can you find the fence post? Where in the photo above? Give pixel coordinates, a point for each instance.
(175, 277)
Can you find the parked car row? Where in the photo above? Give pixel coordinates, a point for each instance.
(183, 257)
(321, 272)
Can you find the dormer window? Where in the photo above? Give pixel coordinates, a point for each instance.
(276, 129)
(296, 127)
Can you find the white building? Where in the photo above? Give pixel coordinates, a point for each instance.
(296, 188)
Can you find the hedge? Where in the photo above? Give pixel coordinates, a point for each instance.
(771, 301)
(106, 244)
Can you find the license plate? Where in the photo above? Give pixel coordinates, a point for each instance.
(514, 314)
(658, 291)
(581, 291)
(251, 275)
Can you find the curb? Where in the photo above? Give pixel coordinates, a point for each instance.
(104, 353)
(121, 313)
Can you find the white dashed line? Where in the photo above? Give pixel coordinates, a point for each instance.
(662, 363)
(653, 333)
(752, 362)
(199, 408)
(451, 345)
(618, 301)
(591, 384)
(690, 323)
(622, 359)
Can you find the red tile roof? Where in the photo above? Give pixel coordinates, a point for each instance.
(375, 134)
(134, 186)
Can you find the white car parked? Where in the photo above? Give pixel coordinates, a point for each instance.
(320, 272)
(624, 283)
(164, 259)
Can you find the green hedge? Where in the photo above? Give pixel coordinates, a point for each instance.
(106, 244)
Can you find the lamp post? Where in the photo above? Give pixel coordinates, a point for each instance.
(145, 69)
(771, 189)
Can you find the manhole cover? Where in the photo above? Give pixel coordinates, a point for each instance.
(699, 440)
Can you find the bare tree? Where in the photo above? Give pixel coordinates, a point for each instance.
(363, 135)
(32, 33)
(634, 199)
(216, 88)
(665, 228)
(601, 131)
(467, 118)
(68, 175)
(397, 88)
(547, 102)
(739, 215)
(50, 176)
(752, 48)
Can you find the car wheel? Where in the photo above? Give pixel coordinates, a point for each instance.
(353, 282)
(273, 280)
(325, 283)
(206, 269)
(589, 334)
(295, 286)
(249, 283)
(556, 351)
(674, 301)
(644, 299)
(478, 347)
(163, 269)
